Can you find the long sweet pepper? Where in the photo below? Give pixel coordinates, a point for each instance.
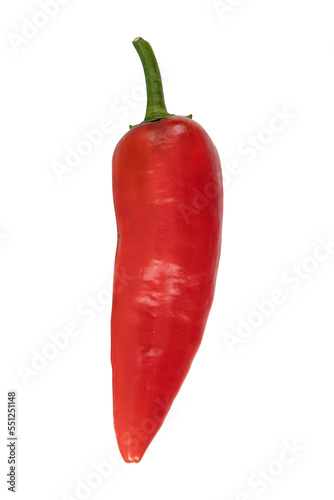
(168, 198)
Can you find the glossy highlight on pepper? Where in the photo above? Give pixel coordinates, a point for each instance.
(168, 199)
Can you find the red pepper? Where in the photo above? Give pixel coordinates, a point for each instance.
(168, 198)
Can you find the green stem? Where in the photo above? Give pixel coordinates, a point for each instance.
(156, 107)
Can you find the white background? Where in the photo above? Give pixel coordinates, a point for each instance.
(251, 389)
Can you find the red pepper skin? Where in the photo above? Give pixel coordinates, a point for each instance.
(168, 198)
